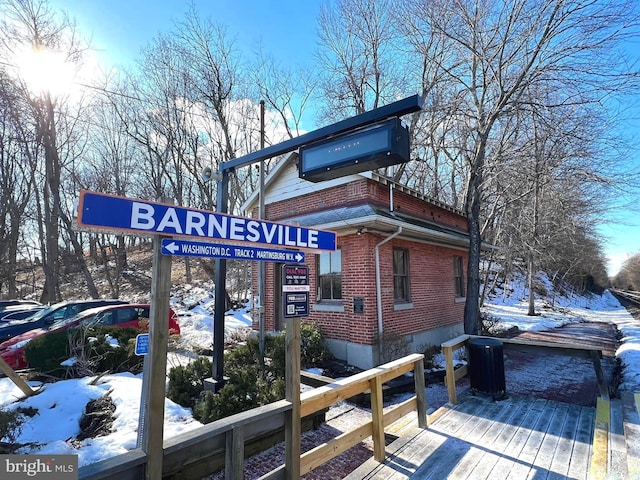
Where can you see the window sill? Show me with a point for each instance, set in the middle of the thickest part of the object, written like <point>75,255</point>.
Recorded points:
<point>460,299</point>
<point>402,306</point>
<point>328,307</point>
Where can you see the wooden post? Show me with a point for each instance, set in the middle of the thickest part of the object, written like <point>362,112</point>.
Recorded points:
<point>602,383</point>
<point>151,423</point>
<point>15,378</point>
<point>421,396</point>
<point>292,393</point>
<point>450,374</point>
<point>234,454</point>
<point>377,418</point>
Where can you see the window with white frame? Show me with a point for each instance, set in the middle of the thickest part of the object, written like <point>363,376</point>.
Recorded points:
<point>401,275</point>
<point>458,278</point>
<point>330,276</point>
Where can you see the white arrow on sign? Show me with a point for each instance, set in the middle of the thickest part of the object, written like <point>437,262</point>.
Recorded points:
<point>299,257</point>
<point>172,247</point>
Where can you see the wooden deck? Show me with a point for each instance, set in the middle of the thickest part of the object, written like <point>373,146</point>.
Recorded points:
<point>516,438</point>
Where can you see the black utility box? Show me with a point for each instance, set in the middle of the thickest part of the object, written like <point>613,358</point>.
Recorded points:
<point>486,367</point>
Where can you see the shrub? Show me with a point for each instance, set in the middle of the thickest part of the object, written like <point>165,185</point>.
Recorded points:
<point>490,324</point>
<point>10,425</point>
<point>276,350</point>
<point>237,397</point>
<point>313,349</point>
<point>186,382</point>
<point>44,353</point>
<point>105,357</point>
<point>90,347</point>
<point>248,384</point>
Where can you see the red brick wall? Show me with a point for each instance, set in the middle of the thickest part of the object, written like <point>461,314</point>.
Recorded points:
<point>431,280</point>
<point>358,280</point>
<point>432,289</point>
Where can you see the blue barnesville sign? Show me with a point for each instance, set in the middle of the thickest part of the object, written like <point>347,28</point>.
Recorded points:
<point>99,210</point>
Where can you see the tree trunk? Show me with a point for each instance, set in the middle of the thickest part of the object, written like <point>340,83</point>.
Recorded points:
<point>532,306</point>
<point>472,305</point>
<point>51,207</point>
<point>472,209</point>
<point>534,240</point>
<point>79,254</point>
<point>187,270</point>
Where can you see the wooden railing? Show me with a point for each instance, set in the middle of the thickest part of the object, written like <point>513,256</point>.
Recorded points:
<point>199,452</point>
<point>372,380</point>
<point>548,348</point>
<point>196,453</point>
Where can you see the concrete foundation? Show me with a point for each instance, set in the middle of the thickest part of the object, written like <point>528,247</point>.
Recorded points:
<point>368,356</point>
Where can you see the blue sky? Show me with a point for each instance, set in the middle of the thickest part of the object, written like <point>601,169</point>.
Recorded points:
<point>120,28</point>
<point>287,29</point>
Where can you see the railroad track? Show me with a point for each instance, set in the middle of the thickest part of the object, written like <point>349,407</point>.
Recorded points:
<point>629,295</point>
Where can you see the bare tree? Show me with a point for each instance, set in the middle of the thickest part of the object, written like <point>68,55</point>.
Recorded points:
<point>356,40</point>
<point>30,26</point>
<point>15,187</point>
<point>628,278</point>
<point>498,51</point>
<point>287,92</point>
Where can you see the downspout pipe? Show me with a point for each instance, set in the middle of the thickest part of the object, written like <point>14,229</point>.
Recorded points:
<point>378,286</point>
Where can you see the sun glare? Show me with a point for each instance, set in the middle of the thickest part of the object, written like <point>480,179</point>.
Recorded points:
<point>45,71</point>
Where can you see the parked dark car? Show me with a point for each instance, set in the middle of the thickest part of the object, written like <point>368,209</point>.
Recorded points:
<point>19,313</point>
<point>50,315</point>
<point>4,304</point>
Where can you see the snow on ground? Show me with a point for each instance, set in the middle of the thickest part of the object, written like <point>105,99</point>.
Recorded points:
<point>629,352</point>
<point>60,405</point>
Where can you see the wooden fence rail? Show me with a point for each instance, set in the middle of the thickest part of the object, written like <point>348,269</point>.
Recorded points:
<point>197,453</point>
<point>324,397</point>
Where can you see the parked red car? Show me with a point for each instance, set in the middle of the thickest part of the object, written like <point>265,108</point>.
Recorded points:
<point>128,315</point>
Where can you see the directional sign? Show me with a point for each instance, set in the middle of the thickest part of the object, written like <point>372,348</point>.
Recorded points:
<point>224,250</point>
<point>98,210</point>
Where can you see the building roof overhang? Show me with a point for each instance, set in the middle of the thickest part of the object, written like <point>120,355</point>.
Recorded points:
<point>369,218</point>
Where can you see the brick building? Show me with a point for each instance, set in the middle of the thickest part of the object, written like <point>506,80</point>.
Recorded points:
<point>399,271</point>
